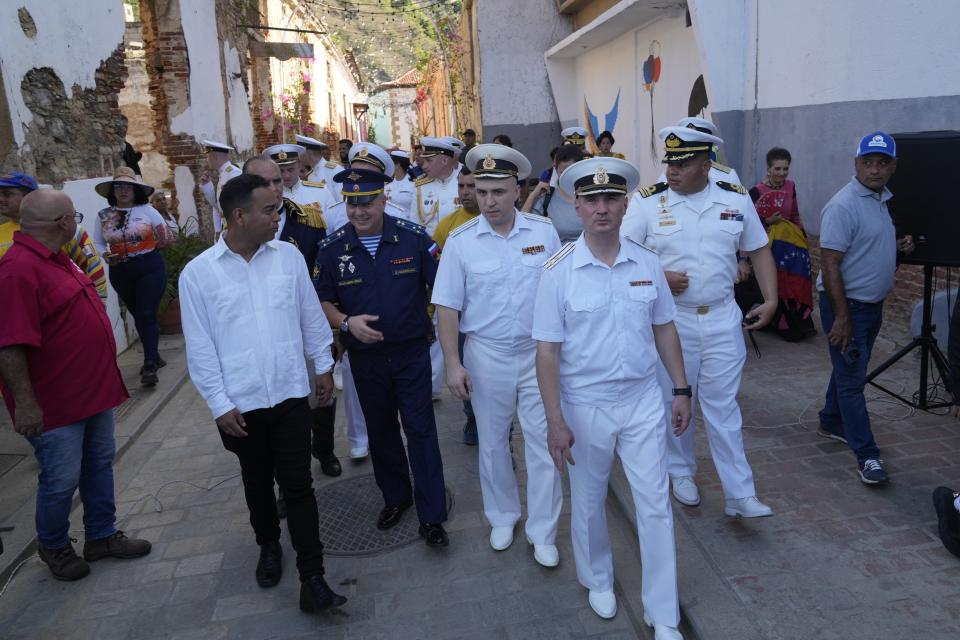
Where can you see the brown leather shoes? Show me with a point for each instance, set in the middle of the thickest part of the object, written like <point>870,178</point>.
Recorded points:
<point>116,546</point>
<point>64,562</point>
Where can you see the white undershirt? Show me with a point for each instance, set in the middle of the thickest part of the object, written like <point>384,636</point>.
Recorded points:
<point>698,201</point>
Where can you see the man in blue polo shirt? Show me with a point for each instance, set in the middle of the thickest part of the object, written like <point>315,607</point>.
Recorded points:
<point>858,260</point>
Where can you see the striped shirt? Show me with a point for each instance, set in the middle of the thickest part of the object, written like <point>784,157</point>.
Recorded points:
<point>371,243</point>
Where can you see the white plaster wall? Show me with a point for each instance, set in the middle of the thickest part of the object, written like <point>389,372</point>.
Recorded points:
<point>241,124</point>
<point>184,183</point>
<point>824,51</point>
<point>512,37</point>
<point>599,81</point>
<point>70,41</point>
<point>89,202</point>
<point>206,115</point>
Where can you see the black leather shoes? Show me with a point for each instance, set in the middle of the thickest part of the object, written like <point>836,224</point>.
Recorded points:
<point>390,516</point>
<point>270,566</point>
<point>331,466</point>
<point>316,595</point>
<point>434,535</point>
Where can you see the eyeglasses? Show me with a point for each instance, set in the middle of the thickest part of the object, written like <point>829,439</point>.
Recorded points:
<point>76,216</point>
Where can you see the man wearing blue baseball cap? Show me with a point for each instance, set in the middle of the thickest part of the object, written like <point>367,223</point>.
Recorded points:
<point>858,248</point>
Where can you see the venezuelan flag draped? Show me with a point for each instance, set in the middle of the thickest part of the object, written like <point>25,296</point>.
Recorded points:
<point>792,256</point>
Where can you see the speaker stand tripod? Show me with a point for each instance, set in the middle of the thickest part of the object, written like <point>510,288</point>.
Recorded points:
<point>927,343</point>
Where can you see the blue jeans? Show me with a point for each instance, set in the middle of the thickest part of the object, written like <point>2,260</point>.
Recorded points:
<point>845,409</point>
<point>79,455</point>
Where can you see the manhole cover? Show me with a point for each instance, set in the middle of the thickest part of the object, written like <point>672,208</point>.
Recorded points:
<point>9,461</point>
<point>348,519</point>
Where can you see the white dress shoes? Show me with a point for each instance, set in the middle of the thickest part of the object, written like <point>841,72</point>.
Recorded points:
<point>662,631</point>
<point>501,538</point>
<point>546,555</point>
<point>357,453</point>
<point>603,603</point>
<point>685,491</point>
<point>747,508</point>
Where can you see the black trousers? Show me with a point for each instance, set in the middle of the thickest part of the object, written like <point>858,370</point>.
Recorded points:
<point>396,379</point>
<point>278,446</point>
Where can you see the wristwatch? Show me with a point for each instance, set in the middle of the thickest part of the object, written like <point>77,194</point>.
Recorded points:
<point>344,325</point>
<point>683,391</point>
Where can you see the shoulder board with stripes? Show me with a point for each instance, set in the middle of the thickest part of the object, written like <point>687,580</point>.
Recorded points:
<point>729,186</point>
<point>466,225</point>
<point>310,183</point>
<point>721,167</point>
<point>555,259</point>
<point>640,244</point>
<point>536,218</point>
<point>646,192</point>
<point>337,235</point>
<point>422,180</point>
<point>332,165</point>
<point>411,226</point>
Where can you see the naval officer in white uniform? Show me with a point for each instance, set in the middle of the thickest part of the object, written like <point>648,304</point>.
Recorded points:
<point>218,161</point>
<point>485,287</point>
<point>603,319</point>
<point>697,227</point>
<point>287,157</point>
<point>437,192</point>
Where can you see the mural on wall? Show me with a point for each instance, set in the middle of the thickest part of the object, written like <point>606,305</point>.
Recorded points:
<point>651,75</point>
<point>593,124</point>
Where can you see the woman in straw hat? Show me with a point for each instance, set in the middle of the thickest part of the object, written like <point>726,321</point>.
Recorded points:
<point>129,235</point>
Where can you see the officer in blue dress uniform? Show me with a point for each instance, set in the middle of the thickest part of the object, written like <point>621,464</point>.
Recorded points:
<point>372,277</point>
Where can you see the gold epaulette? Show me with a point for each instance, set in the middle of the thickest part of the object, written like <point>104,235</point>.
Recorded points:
<point>536,218</point>
<point>312,217</point>
<point>463,227</point>
<point>640,244</point>
<point>646,192</point>
<point>721,167</point>
<point>555,259</point>
<point>310,183</point>
<point>332,165</point>
<point>422,180</point>
<point>729,186</point>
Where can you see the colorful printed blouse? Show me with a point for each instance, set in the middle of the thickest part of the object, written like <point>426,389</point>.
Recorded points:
<point>131,232</point>
<point>80,249</point>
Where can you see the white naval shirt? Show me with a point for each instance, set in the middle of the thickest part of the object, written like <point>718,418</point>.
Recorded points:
<point>703,244</point>
<point>603,317</point>
<point>247,326</point>
<point>226,171</point>
<point>323,173</point>
<point>493,280</point>
<point>435,199</point>
<point>401,192</point>
<point>321,198</point>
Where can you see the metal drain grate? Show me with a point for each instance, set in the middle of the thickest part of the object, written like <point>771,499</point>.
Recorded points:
<point>348,519</point>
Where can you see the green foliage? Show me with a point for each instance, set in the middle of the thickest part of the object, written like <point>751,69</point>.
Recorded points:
<point>176,257</point>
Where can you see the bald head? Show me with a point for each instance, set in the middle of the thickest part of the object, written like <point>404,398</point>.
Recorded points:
<point>48,217</point>
<point>44,205</point>
<point>269,171</point>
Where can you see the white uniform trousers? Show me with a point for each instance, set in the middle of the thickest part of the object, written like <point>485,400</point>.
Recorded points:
<point>436,361</point>
<point>634,429</point>
<point>505,384</point>
<point>713,357</point>
<point>356,425</point>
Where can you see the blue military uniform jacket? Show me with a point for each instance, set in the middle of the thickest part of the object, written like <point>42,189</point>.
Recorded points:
<point>304,228</point>
<point>393,286</point>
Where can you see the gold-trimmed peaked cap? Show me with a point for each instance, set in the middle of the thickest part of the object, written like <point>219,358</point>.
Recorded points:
<point>681,143</point>
<point>437,146</point>
<point>575,135</point>
<point>361,186</point>
<point>210,146</point>
<point>373,155</point>
<point>497,161</point>
<point>311,143</point>
<point>600,175</point>
<point>283,153</point>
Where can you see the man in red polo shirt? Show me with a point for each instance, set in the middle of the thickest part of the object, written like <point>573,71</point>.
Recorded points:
<point>61,382</point>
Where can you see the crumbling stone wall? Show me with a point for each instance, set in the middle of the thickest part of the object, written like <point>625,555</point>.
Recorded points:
<point>74,134</point>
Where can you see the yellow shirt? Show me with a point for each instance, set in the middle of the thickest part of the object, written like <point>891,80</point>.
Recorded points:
<point>6,235</point>
<point>449,223</point>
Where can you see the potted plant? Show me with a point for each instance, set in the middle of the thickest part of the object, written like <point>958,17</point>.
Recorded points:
<point>177,255</point>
